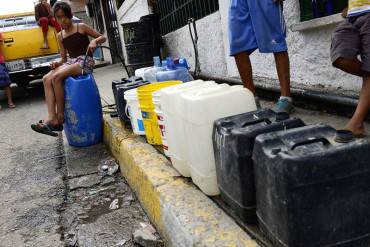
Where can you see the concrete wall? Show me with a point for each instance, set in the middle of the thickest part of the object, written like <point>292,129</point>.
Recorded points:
<point>309,49</point>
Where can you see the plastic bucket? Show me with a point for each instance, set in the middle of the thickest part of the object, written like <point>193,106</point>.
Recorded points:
<point>161,121</point>
<point>133,112</point>
<point>152,131</point>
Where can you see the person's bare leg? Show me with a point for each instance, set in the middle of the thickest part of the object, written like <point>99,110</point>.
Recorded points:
<point>283,71</point>
<point>58,77</point>
<point>356,124</point>
<point>8,92</point>
<point>50,98</point>
<point>351,66</point>
<point>245,70</point>
<point>46,44</point>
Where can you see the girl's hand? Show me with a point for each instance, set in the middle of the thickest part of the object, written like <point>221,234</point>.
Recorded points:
<point>54,64</point>
<point>92,46</point>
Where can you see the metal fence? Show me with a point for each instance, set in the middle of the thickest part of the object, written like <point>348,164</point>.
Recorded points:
<point>175,13</point>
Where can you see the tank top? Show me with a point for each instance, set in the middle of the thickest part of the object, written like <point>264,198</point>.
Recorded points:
<point>76,44</point>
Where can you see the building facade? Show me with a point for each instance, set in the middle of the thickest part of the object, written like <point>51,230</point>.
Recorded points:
<point>308,40</point>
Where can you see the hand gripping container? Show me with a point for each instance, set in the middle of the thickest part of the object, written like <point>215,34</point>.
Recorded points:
<point>201,108</point>
<point>313,187</point>
<point>173,120</point>
<point>83,124</point>
<point>145,95</point>
<point>233,142</point>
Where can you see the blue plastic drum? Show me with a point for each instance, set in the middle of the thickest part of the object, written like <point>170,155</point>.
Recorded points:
<point>83,112</point>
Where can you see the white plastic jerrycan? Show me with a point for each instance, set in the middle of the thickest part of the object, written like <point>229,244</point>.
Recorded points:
<point>173,118</point>
<point>200,109</point>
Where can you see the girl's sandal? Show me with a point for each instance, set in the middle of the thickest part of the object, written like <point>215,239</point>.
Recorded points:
<point>47,129</point>
<point>12,106</point>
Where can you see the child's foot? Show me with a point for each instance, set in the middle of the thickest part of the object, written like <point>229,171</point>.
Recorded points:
<point>358,130</point>
<point>11,105</point>
<point>45,46</point>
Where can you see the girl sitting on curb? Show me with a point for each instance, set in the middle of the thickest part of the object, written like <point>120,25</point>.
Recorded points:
<point>74,40</point>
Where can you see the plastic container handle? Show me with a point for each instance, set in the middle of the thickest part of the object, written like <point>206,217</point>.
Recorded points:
<point>266,120</point>
<point>323,140</point>
<point>126,111</point>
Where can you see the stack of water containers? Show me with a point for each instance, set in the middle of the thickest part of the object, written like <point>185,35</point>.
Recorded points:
<point>305,185</point>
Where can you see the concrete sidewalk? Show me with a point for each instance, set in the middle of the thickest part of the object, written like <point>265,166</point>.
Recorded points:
<point>181,212</point>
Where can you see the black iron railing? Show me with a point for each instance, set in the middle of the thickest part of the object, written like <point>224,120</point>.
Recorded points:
<point>175,13</point>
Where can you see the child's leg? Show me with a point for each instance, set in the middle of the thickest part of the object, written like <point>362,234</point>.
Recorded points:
<point>8,92</point>
<point>356,124</point>
<point>44,23</point>
<point>283,71</point>
<point>57,81</point>
<point>50,97</point>
<point>245,70</point>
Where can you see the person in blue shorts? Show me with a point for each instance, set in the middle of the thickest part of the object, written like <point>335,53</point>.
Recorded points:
<point>259,24</point>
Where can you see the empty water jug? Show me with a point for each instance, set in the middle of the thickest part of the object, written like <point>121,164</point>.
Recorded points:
<point>313,187</point>
<point>173,119</point>
<point>201,108</point>
<point>173,72</point>
<point>83,111</point>
<point>233,142</point>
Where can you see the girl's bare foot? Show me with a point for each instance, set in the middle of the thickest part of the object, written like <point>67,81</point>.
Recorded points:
<point>358,130</point>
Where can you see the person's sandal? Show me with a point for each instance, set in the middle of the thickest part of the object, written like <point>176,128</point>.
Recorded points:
<point>11,106</point>
<point>47,129</point>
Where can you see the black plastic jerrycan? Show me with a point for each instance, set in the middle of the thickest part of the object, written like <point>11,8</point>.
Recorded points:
<point>313,187</point>
<point>119,89</point>
<point>115,83</point>
<point>233,141</point>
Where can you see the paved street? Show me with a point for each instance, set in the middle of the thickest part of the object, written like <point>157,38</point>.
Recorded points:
<point>55,195</point>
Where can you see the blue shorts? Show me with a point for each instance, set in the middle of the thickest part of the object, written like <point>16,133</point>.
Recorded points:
<point>256,24</point>
<point>4,76</point>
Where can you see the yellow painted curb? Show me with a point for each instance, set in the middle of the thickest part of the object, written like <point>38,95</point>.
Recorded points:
<point>183,215</point>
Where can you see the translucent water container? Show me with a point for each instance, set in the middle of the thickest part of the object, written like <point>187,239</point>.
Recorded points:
<point>150,73</point>
<point>173,119</point>
<point>200,109</point>
<point>173,72</point>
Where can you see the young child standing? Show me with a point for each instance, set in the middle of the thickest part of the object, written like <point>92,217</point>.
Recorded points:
<point>74,41</point>
<point>350,39</point>
<point>260,24</point>
<point>4,76</point>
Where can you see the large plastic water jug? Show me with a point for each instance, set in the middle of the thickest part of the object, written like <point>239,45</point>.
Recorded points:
<point>141,72</point>
<point>201,108</point>
<point>233,142</point>
<point>173,119</point>
<point>150,73</point>
<point>150,119</point>
<point>133,111</point>
<point>173,72</point>
<point>83,112</point>
<point>313,187</point>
